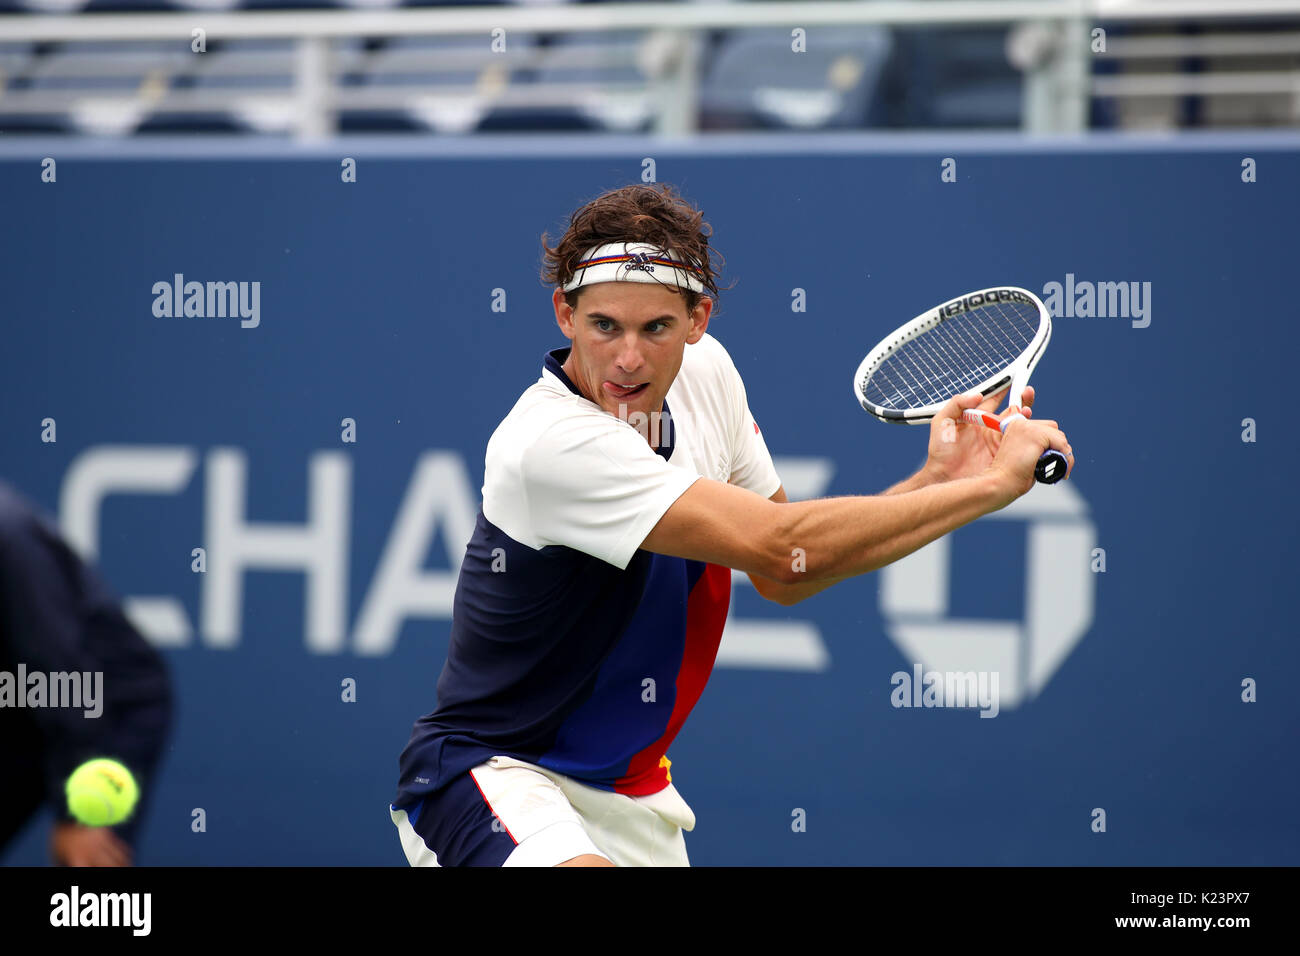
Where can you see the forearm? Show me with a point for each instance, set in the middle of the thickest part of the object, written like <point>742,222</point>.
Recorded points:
<point>838,538</point>
<point>922,479</point>
<point>794,593</point>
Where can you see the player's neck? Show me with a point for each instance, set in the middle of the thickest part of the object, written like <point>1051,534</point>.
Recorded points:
<point>648,433</point>
<point>570,370</point>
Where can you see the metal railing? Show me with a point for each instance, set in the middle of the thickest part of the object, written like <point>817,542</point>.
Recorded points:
<point>1054,39</point>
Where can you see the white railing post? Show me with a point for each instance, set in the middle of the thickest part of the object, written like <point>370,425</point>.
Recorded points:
<point>315,115</point>
<point>677,85</point>
<point>1054,56</point>
<point>1074,93</point>
<point>1031,50</point>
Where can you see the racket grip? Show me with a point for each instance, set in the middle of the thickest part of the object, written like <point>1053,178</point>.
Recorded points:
<point>976,417</point>
<point>1051,466</point>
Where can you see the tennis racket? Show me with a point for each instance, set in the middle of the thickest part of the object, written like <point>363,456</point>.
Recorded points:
<point>981,341</point>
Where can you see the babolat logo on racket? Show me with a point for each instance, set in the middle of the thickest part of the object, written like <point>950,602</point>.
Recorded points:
<point>969,302</point>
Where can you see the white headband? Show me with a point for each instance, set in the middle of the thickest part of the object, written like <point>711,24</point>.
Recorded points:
<point>635,262</point>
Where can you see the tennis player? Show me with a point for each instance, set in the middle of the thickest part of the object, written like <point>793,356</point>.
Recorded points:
<point>619,493</point>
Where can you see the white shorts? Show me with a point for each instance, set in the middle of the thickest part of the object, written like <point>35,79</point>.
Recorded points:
<point>552,818</point>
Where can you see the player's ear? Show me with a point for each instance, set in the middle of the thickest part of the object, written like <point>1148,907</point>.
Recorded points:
<point>563,313</point>
<point>699,320</point>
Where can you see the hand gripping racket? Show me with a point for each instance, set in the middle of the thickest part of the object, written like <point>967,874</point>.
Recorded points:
<point>979,341</point>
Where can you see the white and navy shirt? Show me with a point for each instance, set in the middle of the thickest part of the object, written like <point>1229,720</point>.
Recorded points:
<point>571,647</point>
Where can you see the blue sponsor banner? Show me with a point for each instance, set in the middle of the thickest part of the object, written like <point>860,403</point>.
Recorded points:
<point>1075,662</point>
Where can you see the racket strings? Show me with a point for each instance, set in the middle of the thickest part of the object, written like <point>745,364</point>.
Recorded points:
<point>1005,330</point>
<point>947,359</point>
<point>957,355</point>
<point>917,361</point>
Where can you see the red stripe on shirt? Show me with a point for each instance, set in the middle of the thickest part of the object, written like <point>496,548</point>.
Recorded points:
<point>706,615</point>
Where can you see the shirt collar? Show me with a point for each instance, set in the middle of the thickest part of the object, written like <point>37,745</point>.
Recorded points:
<point>554,363</point>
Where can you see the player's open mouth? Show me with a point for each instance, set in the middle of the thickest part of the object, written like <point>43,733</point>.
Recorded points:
<point>620,392</point>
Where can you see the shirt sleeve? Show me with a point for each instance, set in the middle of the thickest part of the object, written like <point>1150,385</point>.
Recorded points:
<point>751,463</point>
<point>593,484</point>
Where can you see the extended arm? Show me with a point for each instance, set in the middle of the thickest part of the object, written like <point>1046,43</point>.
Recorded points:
<point>835,538</point>
<point>787,594</point>
<point>843,537</point>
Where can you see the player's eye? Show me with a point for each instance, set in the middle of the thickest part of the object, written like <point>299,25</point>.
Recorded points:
<point>601,323</point>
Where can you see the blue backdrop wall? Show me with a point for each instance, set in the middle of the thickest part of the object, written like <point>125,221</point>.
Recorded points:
<point>1122,611</point>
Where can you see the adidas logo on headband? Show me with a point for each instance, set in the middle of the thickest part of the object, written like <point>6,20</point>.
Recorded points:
<point>635,262</point>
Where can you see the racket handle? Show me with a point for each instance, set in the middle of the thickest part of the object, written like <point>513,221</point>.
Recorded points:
<point>1051,466</point>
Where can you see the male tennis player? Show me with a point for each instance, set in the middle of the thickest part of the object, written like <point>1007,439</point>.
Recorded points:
<point>594,590</point>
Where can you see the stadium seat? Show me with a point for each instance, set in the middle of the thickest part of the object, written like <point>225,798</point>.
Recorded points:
<point>259,64</point>
<point>97,67</point>
<point>94,87</point>
<point>253,79</point>
<point>587,82</point>
<point>957,78</point>
<point>446,84</point>
<point>757,78</point>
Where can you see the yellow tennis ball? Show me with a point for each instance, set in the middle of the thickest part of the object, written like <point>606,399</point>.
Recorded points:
<point>101,792</point>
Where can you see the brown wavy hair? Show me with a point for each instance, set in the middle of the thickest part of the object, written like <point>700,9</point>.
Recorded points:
<point>654,213</point>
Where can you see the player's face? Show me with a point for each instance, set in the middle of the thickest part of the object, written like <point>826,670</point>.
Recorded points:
<point>628,341</point>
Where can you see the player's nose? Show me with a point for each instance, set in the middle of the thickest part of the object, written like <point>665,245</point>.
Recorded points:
<point>629,356</point>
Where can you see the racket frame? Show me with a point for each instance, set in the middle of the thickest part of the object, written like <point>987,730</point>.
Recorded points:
<point>1016,373</point>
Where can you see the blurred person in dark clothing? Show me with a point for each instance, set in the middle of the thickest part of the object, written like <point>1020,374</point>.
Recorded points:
<point>59,624</point>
